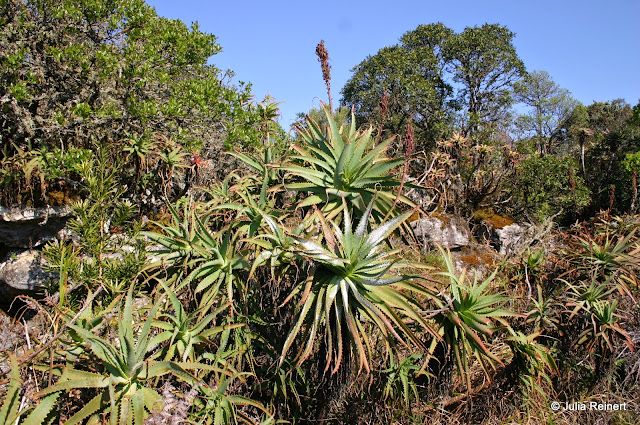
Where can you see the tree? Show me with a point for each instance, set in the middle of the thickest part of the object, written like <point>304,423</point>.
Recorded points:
<point>406,82</point>
<point>484,62</point>
<point>612,138</point>
<point>549,106</point>
<point>631,165</point>
<point>604,132</point>
<point>74,73</point>
<point>432,75</point>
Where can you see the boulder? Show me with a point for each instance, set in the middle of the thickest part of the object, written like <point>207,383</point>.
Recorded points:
<point>508,238</point>
<point>478,261</point>
<point>22,273</point>
<point>445,230</point>
<point>501,232</point>
<point>31,227</point>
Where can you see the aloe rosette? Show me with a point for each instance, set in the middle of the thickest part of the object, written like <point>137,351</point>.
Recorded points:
<point>353,286</point>
<point>345,163</point>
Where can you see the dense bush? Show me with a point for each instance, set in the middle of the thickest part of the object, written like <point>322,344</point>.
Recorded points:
<point>79,74</point>
<point>549,185</point>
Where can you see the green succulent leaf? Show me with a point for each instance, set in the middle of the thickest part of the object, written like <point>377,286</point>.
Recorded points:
<point>352,286</point>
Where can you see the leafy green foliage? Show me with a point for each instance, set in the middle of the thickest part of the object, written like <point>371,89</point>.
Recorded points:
<point>604,132</point>
<point>75,73</point>
<point>543,194</point>
<point>411,76</point>
<point>100,256</point>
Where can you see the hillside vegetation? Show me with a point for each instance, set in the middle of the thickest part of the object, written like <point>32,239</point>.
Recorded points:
<point>215,269</point>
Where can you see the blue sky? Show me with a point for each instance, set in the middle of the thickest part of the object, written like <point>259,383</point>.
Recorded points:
<point>590,47</point>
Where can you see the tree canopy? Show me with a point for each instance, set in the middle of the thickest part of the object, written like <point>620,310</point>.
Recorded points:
<point>76,71</point>
<point>439,79</point>
<point>549,107</point>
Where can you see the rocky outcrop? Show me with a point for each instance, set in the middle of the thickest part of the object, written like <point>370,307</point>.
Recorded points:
<point>508,238</point>
<point>31,227</point>
<point>501,232</point>
<point>22,273</point>
<point>445,230</point>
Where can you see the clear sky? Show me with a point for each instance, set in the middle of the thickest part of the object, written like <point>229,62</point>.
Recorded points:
<point>590,47</point>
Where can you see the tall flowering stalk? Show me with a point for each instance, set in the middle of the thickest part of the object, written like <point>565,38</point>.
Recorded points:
<point>323,57</point>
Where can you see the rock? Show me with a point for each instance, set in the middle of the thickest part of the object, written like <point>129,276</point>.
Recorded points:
<point>67,235</point>
<point>509,237</point>
<point>477,260</point>
<point>445,230</point>
<point>22,272</point>
<point>15,214</point>
<point>31,227</point>
<point>9,337</point>
<point>501,232</point>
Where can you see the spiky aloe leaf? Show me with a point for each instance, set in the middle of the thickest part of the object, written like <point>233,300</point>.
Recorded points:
<point>9,411</point>
<point>352,284</point>
<point>41,412</point>
<point>89,409</point>
<point>93,381</point>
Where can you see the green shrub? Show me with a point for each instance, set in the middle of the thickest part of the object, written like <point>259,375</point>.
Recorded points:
<point>547,185</point>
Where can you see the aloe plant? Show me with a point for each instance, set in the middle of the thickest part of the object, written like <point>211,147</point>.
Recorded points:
<point>344,163</point>
<point>218,407</point>
<point>209,258</point>
<point>139,146</point>
<point>125,392</point>
<point>603,328</point>
<point>352,284</point>
<point>615,257</point>
<point>263,165</point>
<point>543,314</point>
<point>533,361</point>
<point>401,378</point>
<point>583,297</point>
<point>12,410</point>
<point>466,317</point>
<point>185,331</point>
